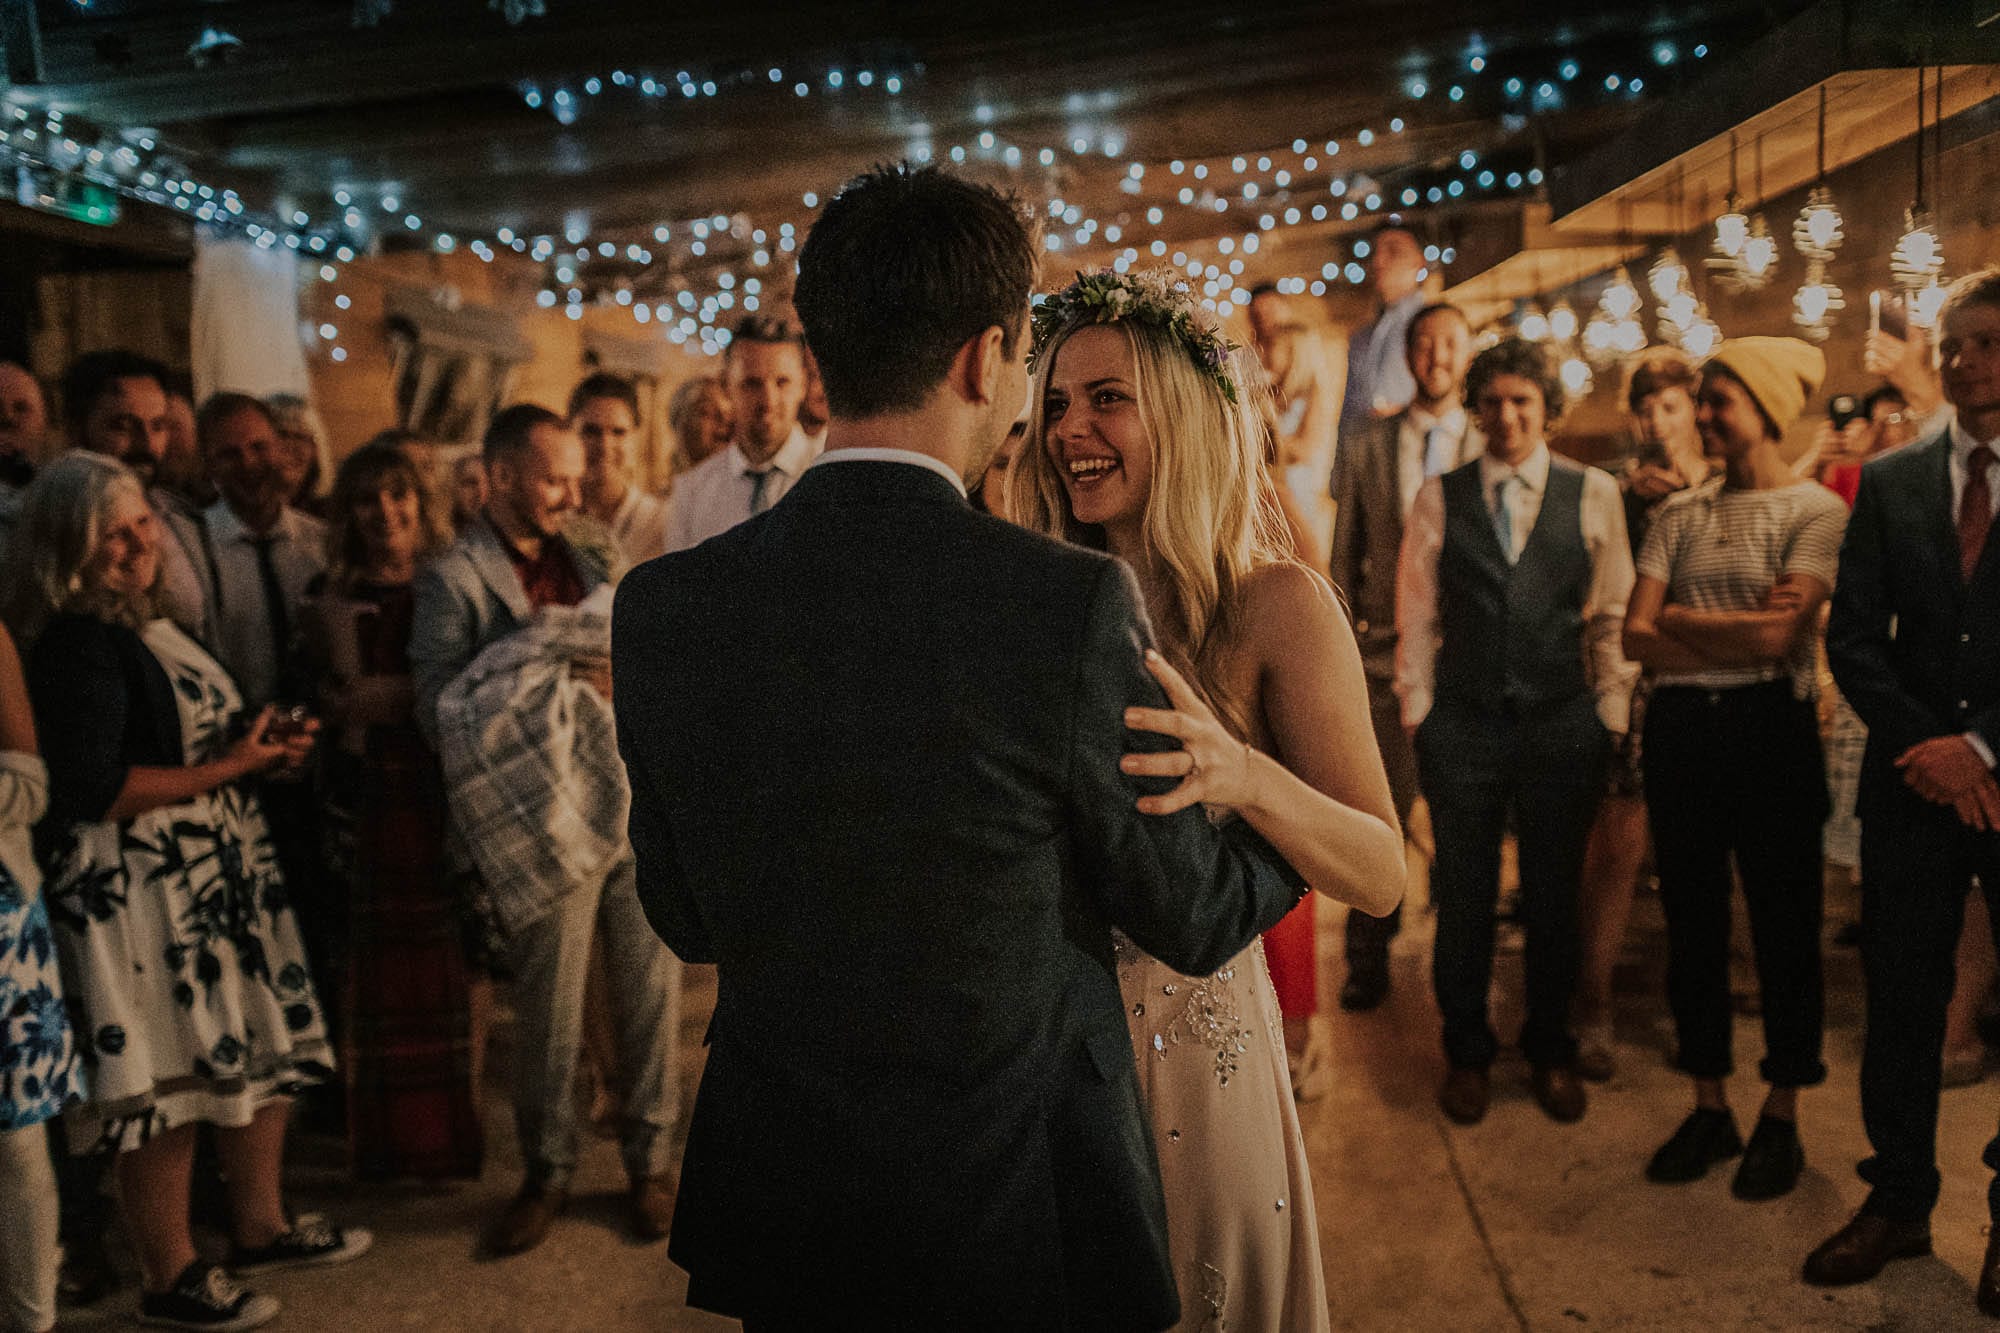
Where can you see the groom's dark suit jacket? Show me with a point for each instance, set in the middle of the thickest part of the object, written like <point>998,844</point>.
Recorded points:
<point>873,739</point>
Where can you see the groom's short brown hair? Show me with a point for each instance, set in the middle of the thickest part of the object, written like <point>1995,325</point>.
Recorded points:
<point>904,265</point>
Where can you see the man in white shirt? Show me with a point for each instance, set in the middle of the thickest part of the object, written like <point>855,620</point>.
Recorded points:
<point>604,413</point>
<point>262,552</point>
<point>764,370</point>
<point>1376,478</point>
<point>1510,597</point>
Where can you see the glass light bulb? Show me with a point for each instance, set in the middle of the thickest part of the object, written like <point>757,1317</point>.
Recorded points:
<point>1760,255</point>
<point>1681,310</point>
<point>1732,229</point>
<point>1667,276</point>
<point>1925,305</point>
<point>1621,299</point>
<point>1534,325</point>
<point>1562,321</point>
<point>1576,376</point>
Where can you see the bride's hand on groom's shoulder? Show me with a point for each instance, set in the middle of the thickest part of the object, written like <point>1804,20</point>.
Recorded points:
<point>1215,767</point>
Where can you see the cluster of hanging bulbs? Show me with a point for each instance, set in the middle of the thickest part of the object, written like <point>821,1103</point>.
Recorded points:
<point>1560,328</point>
<point>1683,318</point>
<point>1614,330</point>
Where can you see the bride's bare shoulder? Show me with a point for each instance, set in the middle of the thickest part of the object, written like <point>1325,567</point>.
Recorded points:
<point>1289,612</point>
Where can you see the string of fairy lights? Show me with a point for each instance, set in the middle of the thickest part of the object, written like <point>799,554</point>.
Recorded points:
<point>690,276</point>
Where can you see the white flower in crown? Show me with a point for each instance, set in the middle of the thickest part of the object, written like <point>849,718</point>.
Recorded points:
<point>1155,298</point>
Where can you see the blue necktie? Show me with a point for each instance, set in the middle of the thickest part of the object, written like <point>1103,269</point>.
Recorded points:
<point>760,482</point>
<point>1503,517</point>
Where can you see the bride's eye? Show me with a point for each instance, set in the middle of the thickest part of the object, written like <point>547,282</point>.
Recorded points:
<point>1106,397</point>
<point>1053,408</point>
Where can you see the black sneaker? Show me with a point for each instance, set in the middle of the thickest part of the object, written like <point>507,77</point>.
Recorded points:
<point>1706,1137</point>
<point>205,1297</point>
<point>1771,1163</point>
<point>311,1242</point>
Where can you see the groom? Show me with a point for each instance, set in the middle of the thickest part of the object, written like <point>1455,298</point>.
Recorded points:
<point>874,743</point>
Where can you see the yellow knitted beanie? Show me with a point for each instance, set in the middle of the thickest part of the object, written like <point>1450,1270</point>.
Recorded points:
<point>1780,373</point>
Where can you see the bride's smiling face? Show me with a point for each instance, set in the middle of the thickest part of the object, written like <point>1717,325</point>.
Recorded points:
<point>1095,432</point>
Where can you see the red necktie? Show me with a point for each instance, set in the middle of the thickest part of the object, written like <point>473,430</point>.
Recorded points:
<point>1975,511</point>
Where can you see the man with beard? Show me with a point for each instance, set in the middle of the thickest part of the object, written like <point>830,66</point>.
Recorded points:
<point>765,373</point>
<point>508,564</point>
<point>115,403</point>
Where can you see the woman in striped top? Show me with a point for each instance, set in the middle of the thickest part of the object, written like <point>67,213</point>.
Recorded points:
<point>1730,583</point>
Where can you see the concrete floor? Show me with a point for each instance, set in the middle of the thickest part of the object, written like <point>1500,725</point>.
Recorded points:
<point>1517,1223</point>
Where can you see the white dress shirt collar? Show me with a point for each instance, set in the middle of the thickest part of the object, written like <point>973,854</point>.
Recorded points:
<point>1533,471</point>
<point>225,526</point>
<point>911,456</point>
<point>1451,419</point>
<point>1962,442</point>
<point>791,459</point>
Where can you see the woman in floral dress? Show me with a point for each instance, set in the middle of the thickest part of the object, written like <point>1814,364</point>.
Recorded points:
<point>187,980</point>
<point>37,1056</point>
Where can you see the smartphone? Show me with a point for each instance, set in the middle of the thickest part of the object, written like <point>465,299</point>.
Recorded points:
<point>1841,409</point>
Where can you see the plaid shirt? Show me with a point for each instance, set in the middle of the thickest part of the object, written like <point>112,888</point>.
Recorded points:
<point>530,754</point>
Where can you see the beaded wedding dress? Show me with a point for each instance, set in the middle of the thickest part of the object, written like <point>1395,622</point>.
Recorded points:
<point>1240,1224</point>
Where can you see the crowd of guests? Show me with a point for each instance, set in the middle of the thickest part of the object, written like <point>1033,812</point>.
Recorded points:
<point>231,879</point>
<point>297,760</point>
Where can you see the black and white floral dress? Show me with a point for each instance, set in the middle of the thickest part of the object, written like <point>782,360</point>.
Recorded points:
<point>187,978</point>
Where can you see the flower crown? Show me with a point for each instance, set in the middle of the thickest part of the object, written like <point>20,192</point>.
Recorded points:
<point>1153,297</point>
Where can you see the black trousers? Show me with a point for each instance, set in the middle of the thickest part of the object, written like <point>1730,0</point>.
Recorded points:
<point>1917,862</point>
<point>1546,767</point>
<point>1739,771</point>
<point>1368,936</point>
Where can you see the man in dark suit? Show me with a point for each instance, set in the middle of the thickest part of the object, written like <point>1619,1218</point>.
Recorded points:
<point>1375,482</point>
<point>1915,644</point>
<point>874,740</point>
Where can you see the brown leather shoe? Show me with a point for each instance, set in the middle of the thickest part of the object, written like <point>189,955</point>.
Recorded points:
<point>1464,1095</point>
<point>1559,1092</point>
<point>527,1220</point>
<point>652,1202</point>
<point>1858,1251</point>
<point>1989,1278</point>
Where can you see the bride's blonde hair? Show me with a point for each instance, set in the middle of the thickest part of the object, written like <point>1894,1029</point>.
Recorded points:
<point>1211,517</point>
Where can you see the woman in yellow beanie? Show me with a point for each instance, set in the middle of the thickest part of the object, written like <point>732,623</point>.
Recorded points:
<point>1730,583</point>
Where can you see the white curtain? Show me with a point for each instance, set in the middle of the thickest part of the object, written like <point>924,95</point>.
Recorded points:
<point>245,335</point>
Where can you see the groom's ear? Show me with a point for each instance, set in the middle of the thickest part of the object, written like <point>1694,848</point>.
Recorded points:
<point>977,370</point>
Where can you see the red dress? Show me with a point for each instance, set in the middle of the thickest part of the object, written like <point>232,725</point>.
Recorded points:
<point>1291,951</point>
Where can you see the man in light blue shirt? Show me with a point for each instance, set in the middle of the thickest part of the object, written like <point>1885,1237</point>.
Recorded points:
<point>1378,375</point>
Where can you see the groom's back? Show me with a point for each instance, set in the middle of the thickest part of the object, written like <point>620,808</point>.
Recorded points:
<point>855,715</point>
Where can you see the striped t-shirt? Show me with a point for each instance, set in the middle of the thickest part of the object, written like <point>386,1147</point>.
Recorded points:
<point>1723,549</point>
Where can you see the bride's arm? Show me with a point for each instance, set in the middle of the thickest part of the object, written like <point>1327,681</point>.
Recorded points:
<point>1323,800</point>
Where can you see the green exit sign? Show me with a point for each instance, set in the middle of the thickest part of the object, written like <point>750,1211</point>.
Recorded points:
<point>67,196</point>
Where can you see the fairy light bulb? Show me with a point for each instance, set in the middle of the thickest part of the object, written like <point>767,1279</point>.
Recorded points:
<point>1814,304</point>
<point>1732,230</point>
<point>1534,325</point>
<point>1760,254</point>
<point>1667,276</point>
<point>1701,336</point>
<point>1629,336</point>
<point>1562,321</point>
<point>1620,299</point>
<point>1576,376</point>
<point>1918,258</point>
<point>1819,228</point>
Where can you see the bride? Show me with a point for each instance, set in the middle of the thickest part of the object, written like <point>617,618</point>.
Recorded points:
<point>1144,443</point>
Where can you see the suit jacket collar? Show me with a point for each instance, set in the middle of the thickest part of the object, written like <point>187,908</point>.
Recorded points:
<point>494,563</point>
<point>858,481</point>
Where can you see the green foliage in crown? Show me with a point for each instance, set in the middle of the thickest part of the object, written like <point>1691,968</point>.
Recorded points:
<point>1153,297</point>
